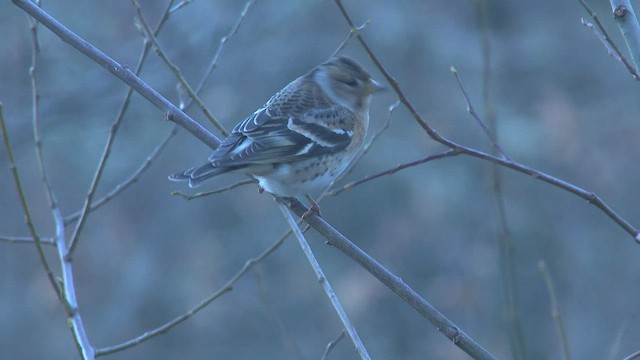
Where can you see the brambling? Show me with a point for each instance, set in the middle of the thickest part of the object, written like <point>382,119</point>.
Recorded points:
<point>303,138</point>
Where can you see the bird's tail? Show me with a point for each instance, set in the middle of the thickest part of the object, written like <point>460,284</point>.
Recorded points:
<point>196,175</point>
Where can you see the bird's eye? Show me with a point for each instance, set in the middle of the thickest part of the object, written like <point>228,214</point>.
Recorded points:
<point>350,82</point>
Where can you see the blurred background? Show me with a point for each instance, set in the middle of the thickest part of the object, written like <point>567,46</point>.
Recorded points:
<point>562,105</point>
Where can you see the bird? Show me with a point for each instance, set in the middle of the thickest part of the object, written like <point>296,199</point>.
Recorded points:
<point>303,138</point>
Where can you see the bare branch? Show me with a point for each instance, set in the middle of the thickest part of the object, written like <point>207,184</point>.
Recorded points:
<point>367,146</point>
<point>25,240</point>
<point>393,282</point>
<point>331,345</point>
<point>224,289</point>
<point>121,112</point>
<point>612,48</point>
<point>624,328</point>
<point>221,46</point>
<point>322,279</point>
<point>555,310</point>
<point>122,72</point>
<point>213,192</point>
<point>25,207</point>
<point>176,71</point>
<point>591,197</point>
<point>346,40</point>
<point>477,118</point>
<point>132,179</point>
<point>505,237</point>
<point>627,21</point>
<point>113,130</point>
<point>180,5</point>
<point>634,356</point>
<point>448,153</point>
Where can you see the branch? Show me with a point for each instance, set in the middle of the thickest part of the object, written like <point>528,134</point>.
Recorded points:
<point>213,192</point>
<point>591,197</point>
<point>176,71</point>
<point>346,40</point>
<point>223,41</point>
<point>448,153</point>
<point>331,345</point>
<point>604,37</point>
<point>505,237</point>
<point>224,289</point>
<point>322,279</point>
<point>25,240</point>
<point>628,23</point>
<point>472,111</point>
<point>25,207</point>
<point>132,179</point>
<point>68,294</point>
<point>113,130</point>
<point>121,72</point>
<point>634,356</point>
<point>393,282</point>
<point>555,310</point>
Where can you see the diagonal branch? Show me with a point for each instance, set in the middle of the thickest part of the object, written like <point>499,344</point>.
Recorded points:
<point>113,130</point>
<point>604,37</point>
<point>174,114</point>
<point>221,46</point>
<point>393,282</point>
<point>132,179</point>
<point>223,290</point>
<point>121,72</point>
<point>591,197</point>
<point>448,153</point>
<point>472,111</point>
<point>628,24</point>
<point>174,68</point>
<point>322,279</point>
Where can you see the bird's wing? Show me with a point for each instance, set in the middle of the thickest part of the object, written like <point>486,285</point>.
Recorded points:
<point>273,136</point>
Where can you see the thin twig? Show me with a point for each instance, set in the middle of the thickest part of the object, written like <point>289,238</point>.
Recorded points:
<point>25,207</point>
<point>476,117</point>
<point>367,146</point>
<point>555,310</point>
<point>322,279</point>
<point>602,38</point>
<point>25,240</point>
<point>132,179</point>
<point>448,153</point>
<point>121,112</point>
<point>332,344</point>
<point>346,40</point>
<point>221,46</point>
<point>227,287</point>
<point>174,68</point>
<point>180,5</point>
<point>122,72</point>
<point>611,46</point>
<point>113,130</point>
<point>505,237</point>
<point>624,328</point>
<point>591,197</point>
<point>213,192</point>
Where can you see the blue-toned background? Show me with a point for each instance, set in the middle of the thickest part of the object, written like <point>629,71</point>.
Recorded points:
<point>563,106</point>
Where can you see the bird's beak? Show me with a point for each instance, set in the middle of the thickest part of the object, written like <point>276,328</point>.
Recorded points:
<point>375,86</point>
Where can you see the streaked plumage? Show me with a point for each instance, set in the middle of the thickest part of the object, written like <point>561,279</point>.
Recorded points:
<point>304,137</point>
